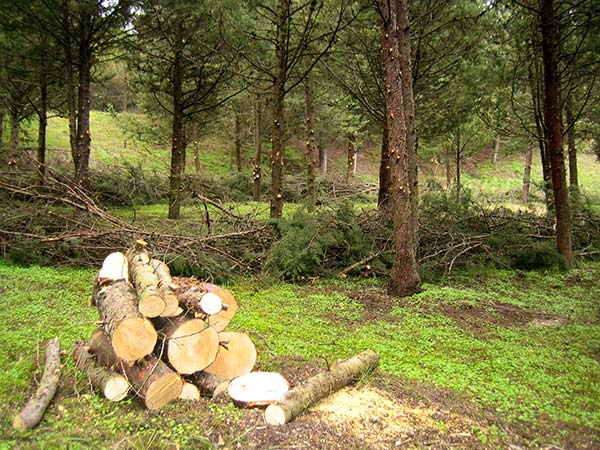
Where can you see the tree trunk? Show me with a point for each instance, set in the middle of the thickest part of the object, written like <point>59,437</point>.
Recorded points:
<point>31,415</point>
<point>457,158</point>
<point>178,144</point>
<point>496,153</point>
<point>196,150</point>
<point>406,72</point>
<point>236,356</point>
<point>191,292</point>
<point>84,100</point>
<point>152,379</point>
<point>113,386</point>
<point>43,124</point>
<point>2,114</point>
<point>448,166</point>
<point>15,130</point>
<point>323,159</point>
<point>298,399</point>
<point>311,148</point>
<point>553,135</point>
<point>238,142</point>
<point>404,276</point>
<point>527,172</point>
<point>69,82</point>
<point>385,165</point>
<point>573,175</point>
<point>276,208</point>
<point>351,155</point>
<point>257,173</point>
<point>190,345</point>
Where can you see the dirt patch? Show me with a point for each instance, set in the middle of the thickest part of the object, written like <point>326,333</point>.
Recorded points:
<point>376,305</point>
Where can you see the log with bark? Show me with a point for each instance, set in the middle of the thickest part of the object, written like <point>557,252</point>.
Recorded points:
<point>150,299</point>
<point>236,356</point>
<point>132,335</point>
<point>190,345</point>
<point>315,388</point>
<point>151,378</point>
<point>33,411</point>
<point>112,385</point>
<point>167,287</point>
<point>193,296</point>
<point>210,385</point>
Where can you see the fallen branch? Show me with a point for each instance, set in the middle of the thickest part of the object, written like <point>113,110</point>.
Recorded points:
<point>34,410</point>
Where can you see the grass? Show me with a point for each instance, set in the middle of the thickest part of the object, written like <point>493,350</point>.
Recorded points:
<point>547,377</point>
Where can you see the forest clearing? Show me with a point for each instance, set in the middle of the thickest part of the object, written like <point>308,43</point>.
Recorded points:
<point>297,224</point>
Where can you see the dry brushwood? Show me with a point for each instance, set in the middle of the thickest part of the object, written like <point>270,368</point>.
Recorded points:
<point>35,408</point>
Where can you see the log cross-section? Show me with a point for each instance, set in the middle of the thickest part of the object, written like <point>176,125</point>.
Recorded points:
<point>315,388</point>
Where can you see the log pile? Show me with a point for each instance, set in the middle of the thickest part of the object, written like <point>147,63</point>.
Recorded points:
<point>163,337</point>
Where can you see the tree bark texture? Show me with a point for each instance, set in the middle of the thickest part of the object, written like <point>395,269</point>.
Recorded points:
<point>298,399</point>
<point>385,165</point>
<point>34,410</point>
<point>143,276</point>
<point>278,145</point>
<point>553,132</point>
<point>311,147</point>
<point>113,386</point>
<point>2,114</point>
<point>573,175</point>
<point>15,130</point>
<point>257,171</point>
<point>238,142</point>
<point>132,335</point>
<point>84,99</point>
<point>210,385</point>
<point>527,173</point>
<point>177,138</point>
<point>350,156</point>
<point>404,276</point>
<point>151,379</point>
<point>42,123</point>
<point>69,81</point>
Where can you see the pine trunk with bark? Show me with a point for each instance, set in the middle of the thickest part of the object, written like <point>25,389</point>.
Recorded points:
<point>298,399</point>
<point>350,156</point>
<point>404,277</point>
<point>572,150</point>
<point>42,125</point>
<point>238,142</point>
<point>527,173</point>
<point>2,114</point>
<point>257,171</point>
<point>277,157</point>
<point>69,81</point>
<point>145,280</point>
<point>15,129</point>
<point>84,100</point>
<point>385,165</point>
<point>177,138</point>
<point>553,135</point>
<point>311,147</point>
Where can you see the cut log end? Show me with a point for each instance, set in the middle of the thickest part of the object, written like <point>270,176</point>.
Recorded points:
<point>172,308</point>
<point>162,391</point>
<point>258,389</point>
<point>152,306</point>
<point>236,356</point>
<point>192,347</point>
<point>116,389</point>
<point>211,303</point>
<point>275,415</point>
<point>134,338</point>
<point>189,392</point>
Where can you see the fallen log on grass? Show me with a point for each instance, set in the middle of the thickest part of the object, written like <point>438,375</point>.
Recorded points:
<point>34,410</point>
<point>132,336</point>
<point>152,379</point>
<point>236,356</point>
<point>113,386</point>
<point>321,385</point>
<point>191,346</point>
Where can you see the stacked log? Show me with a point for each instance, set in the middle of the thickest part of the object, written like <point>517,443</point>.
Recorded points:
<point>162,336</point>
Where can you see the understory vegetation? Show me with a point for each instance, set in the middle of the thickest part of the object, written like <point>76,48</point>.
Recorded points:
<point>524,346</point>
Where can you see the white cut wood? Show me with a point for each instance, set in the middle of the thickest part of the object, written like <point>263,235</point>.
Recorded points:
<point>211,303</point>
<point>258,388</point>
<point>115,267</point>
